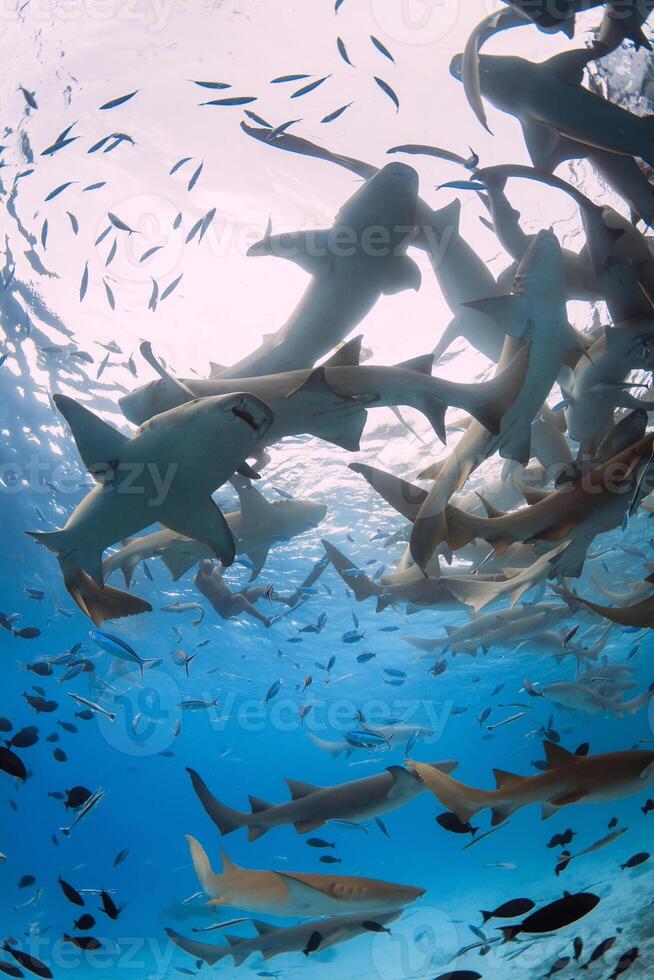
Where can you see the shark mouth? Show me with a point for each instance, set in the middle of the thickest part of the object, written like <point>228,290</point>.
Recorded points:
<point>241,413</point>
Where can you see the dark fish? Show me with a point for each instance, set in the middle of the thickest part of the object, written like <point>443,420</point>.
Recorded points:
<point>558,965</point>
<point>313,943</point>
<point>386,88</point>
<point>450,821</point>
<point>259,120</point>
<point>68,727</point>
<point>86,714</point>
<point>194,179</point>
<point>636,860</point>
<point>342,50</point>
<point>77,797</point>
<point>41,668</point>
<point>29,97</point>
<point>10,970</point>
<point>26,881</point>
<point>83,942</point>
<point>71,893</point>
<point>83,286</point>
<point>582,749</point>
<point>119,101</point>
<point>59,755</point>
<point>171,287</point>
<point>556,915</point>
<point>310,87</point>
<point>382,826</point>
<point>110,297</point>
<point>119,223</point>
<point>613,822</point>
<point>233,101</point>
<point>363,658</point>
<point>27,633</point>
<point>578,946</point>
<point>625,962</point>
<point>11,764</point>
<point>59,190</point>
<point>382,48</point>
<point>510,909</point>
<point>600,950</point>
<point>459,975</point>
<point>6,726</point>
<point>25,738</point>
<point>85,922</point>
<point>28,962</point>
<point>318,842</point>
<point>220,85</point>
<point>120,857</point>
<point>288,78</point>
<point>647,808</point>
<point>373,926</point>
<point>109,907</point>
<point>40,704</point>
<point>328,859</point>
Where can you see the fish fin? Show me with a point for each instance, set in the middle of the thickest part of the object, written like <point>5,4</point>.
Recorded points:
<point>432,472</point>
<point>100,602</point>
<point>568,66</point>
<point>208,880</point>
<point>361,585</point>
<point>347,355</point>
<point>257,805</point>
<point>491,511</point>
<point>225,819</point>
<point>557,756</point>
<point>255,831</point>
<point>300,893</point>
<point>254,506</point>
<point>202,520</point>
<point>306,826</point>
<point>234,941</point>
<point>263,928</point>
<point>100,445</point>
<point>308,249</point>
<point>447,218</point>
<point>258,557</point>
<point>406,498</point>
<point>402,780</point>
<point>547,810</point>
<point>422,364</point>
<point>403,273</point>
<point>531,494</point>
<point>503,779</point>
<point>509,312</point>
<point>54,541</point>
<point>509,932</point>
<point>542,143</point>
<point>209,954</point>
<point>502,812</point>
<point>299,789</point>
<point>179,557</point>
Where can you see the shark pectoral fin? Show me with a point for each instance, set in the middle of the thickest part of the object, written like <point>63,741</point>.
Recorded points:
<point>547,810</point>
<point>98,443</point>
<point>306,826</point>
<point>542,143</point>
<point>200,519</point>
<point>403,782</point>
<point>308,249</point>
<point>557,756</point>
<point>300,894</point>
<point>299,789</point>
<point>509,312</point>
<point>403,273</point>
<point>258,558</point>
<point>248,471</point>
<point>347,355</point>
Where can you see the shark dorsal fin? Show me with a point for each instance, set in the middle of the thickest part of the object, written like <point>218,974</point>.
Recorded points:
<point>228,864</point>
<point>215,370</point>
<point>347,355</point>
<point>98,443</point>
<point>422,364</point>
<point>557,756</point>
<point>254,506</point>
<point>234,940</point>
<point>263,928</point>
<point>491,511</point>
<point>505,779</point>
<point>402,779</point>
<point>299,789</point>
<point>257,805</point>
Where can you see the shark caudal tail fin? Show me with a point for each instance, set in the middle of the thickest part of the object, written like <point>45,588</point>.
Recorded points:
<point>100,602</point>
<point>404,497</point>
<point>225,819</point>
<point>201,951</point>
<point>351,574</point>
<point>462,800</point>
<point>209,881</point>
<point>488,402</point>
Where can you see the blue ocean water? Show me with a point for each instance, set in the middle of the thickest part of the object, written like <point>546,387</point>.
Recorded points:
<point>246,745</point>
